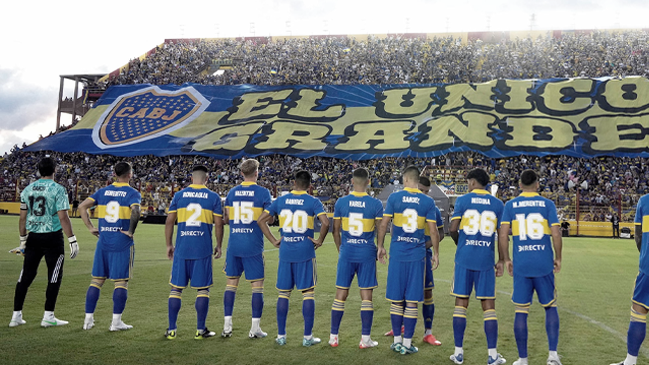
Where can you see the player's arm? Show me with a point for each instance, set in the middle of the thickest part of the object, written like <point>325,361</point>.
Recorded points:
<point>226,215</point>
<point>135,219</point>
<point>503,250</point>
<point>67,229</point>
<point>169,233</point>
<point>263,221</point>
<point>380,238</point>
<point>440,232</point>
<point>557,242</point>
<point>218,234</point>
<point>336,233</point>
<point>324,229</point>
<point>434,240</point>
<point>22,230</point>
<point>454,230</point>
<point>637,236</point>
<point>85,217</point>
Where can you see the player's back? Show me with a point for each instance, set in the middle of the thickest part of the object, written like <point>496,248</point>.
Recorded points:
<point>297,211</point>
<point>479,214</point>
<point>409,210</point>
<point>531,217</point>
<point>358,213</point>
<point>114,203</point>
<point>195,207</point>
<point>43,199</point>
<point>245,203</point>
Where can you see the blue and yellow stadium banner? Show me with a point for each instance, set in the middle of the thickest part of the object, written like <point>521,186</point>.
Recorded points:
<point>501,118</point>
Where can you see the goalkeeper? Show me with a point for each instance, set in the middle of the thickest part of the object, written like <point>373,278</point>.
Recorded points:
<point>44,213</point>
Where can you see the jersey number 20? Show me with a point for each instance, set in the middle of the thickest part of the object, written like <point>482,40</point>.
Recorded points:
<point>294,221</point>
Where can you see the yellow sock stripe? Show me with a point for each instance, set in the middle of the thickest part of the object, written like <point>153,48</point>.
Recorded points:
<point>175,293</point>
<point>231,288</point>
<point>638,317</point>
<point>410,313</point>
<point>96,283</point>
<point>203,293</point>
<point>96,286</point>
<point>338,305</point>
<point>257,290</point>
<point>459,312</point>
<point>396,309</point>
<point>429,301</point>
<point>121,287</point>
<point>367,305</point>
<point>308,296</point>
<point>490,315</point>
<point>284,294</point>
<point>524,310</point>
<point>175,296</point>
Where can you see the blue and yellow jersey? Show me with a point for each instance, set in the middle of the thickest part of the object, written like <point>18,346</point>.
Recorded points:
<point>195,207</point>
<point>245,203</point>
<point>409,210</point>
<point>440,224</point>
<point>479,214</point>
<point>297,212</point>
<point>43,199</point>
<point>642,219</point>
<point>531,216</point>
<point>358,213</point>
<point>114,203</point>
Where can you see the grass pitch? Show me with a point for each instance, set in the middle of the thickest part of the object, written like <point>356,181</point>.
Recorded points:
<point>594,289</point>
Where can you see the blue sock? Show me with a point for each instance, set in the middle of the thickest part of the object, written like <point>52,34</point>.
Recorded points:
<point>637,332</point>
<point>174,306</point>
<point>308,311</point>
<point>409,321</point>
<point>552,327</point>
<point>520,330</point>
<point>120,294</point>
<point>367,317</point>
<point>396,317</point>
<point>228,300</point>
<point>282,312</point>
<point>491,328</point>
<point>428,311</point>
<point>92,296</point>
<point>337,311</point>
<point>202,305</point>
<point>257,302</point>
<point>459,325</point>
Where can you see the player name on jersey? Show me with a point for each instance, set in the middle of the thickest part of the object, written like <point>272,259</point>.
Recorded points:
<point>356,204</point>
<point>115,193</point>
<point>529,203</point>
<point>195,194</point>
<point>482,201</point>
<point>410,199</point>
<point>244,193</point>
<point>295,201</point>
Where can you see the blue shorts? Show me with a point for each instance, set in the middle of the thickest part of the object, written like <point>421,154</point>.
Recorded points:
<point>253,266</point>
<point>464,280</point>
<point>524,289</point>
<point>406,281</point>
<point>198,271</point>
<point>301,275</point>
<point>641,291</point>
<point>114,265</point>
<point>428,280</point>
<point>365,271</point>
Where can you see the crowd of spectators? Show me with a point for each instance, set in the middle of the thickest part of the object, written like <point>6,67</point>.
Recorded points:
<point>391,60</point>
<point>604,184</point>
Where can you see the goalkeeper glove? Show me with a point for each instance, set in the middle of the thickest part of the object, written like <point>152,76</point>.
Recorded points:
<point>20,250</point>
<point>74,247</point>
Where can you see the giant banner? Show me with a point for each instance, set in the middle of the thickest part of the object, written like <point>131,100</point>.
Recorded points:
<point>501,118</point>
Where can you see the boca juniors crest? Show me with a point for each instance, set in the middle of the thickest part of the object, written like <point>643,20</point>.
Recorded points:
<point>145,114</point>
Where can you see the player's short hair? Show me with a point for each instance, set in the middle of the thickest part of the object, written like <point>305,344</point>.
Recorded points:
<point>46,166</point>
<point>529,177</point>
<point>200,168</point>
<point>423,180</point>
<point>361,173</point>
<point>122,168</point>
<point>479,175</point>
<point>412,172</point>
<point>199,172</point>
<point>303,179</point>
<point>249,167</point>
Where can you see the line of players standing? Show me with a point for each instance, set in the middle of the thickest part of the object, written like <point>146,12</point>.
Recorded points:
<point>358,220</point>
